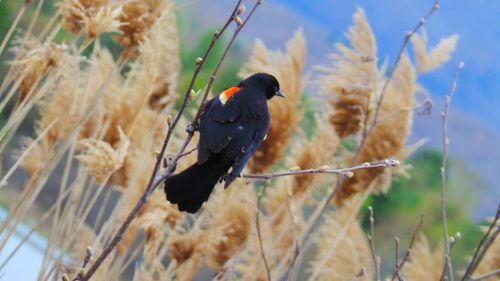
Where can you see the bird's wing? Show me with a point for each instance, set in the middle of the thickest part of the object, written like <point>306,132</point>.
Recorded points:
<point>218,124</point>
<point>250,133</point>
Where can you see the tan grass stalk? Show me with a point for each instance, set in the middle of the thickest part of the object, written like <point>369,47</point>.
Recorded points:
<point>29,150</point>
<point>17,117</point>
<point>229,231</point>
<point>36,184</point>
<point>12,27</point>
<point>343,250</point>
<point>75,223</point>
<point>11,75</point>
<point>424,264</point>
<point>54,233</point>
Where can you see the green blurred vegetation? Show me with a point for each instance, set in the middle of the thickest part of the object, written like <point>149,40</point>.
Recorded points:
<point>397,213</point>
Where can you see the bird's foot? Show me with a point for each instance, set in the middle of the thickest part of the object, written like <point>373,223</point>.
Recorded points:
<point>167,162</point>
<point>193,127</point>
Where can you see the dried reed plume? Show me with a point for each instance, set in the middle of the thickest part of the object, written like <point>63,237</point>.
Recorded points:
<point>77,13</point>
<point>287,67</point>
<point>389,137</point>
<point>93,17</point>
<point>351,80</point>
<point>34,64</point>
<point>137,17</point>
<point>101,159</point>
<point>437,56</point>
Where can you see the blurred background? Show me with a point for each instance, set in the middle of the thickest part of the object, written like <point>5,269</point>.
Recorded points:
<point>474,125</point>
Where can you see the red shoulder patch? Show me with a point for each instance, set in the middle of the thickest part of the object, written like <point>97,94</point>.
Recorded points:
<point>228,93</point>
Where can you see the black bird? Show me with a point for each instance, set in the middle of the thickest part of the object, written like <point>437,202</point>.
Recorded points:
<point>232,126</point>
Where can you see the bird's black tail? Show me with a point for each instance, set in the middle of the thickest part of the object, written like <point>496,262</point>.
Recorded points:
<point>191,187</point>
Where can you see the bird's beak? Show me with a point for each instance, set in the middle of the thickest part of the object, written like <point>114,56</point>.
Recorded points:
<point>280,94</point>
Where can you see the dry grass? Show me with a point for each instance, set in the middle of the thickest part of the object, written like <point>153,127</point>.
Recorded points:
<point>104,128</point>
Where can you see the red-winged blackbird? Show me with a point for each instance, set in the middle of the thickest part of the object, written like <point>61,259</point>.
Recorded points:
<point>232,126</point>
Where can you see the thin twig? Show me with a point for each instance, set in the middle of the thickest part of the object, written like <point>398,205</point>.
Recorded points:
<point>86,260</point>
<point>189,152</point>
<point>326,170</point>
<point>444,116</point>
<point>484,244</point>
<point>259,234</point>
<point>322,170</point>
<point>396,260</point>
<point>486,275</point>
<point>292,274</point>
<point>410,246</point>
<point>371,239</point>
<point>153,181</point>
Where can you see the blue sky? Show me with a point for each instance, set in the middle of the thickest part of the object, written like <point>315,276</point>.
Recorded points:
<point>477,23</point>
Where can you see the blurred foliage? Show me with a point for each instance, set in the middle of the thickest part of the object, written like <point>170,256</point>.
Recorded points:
<point>420,194</point>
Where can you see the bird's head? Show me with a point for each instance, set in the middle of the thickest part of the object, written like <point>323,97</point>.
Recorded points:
<point>266,82</point>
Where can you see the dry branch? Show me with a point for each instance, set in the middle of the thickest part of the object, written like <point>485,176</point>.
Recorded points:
<point>326,170</point>
<point>483,246</point>
<point>371,239</point>
<point>447,256</point>
<point>259,233</point>
<point>408,251</point>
